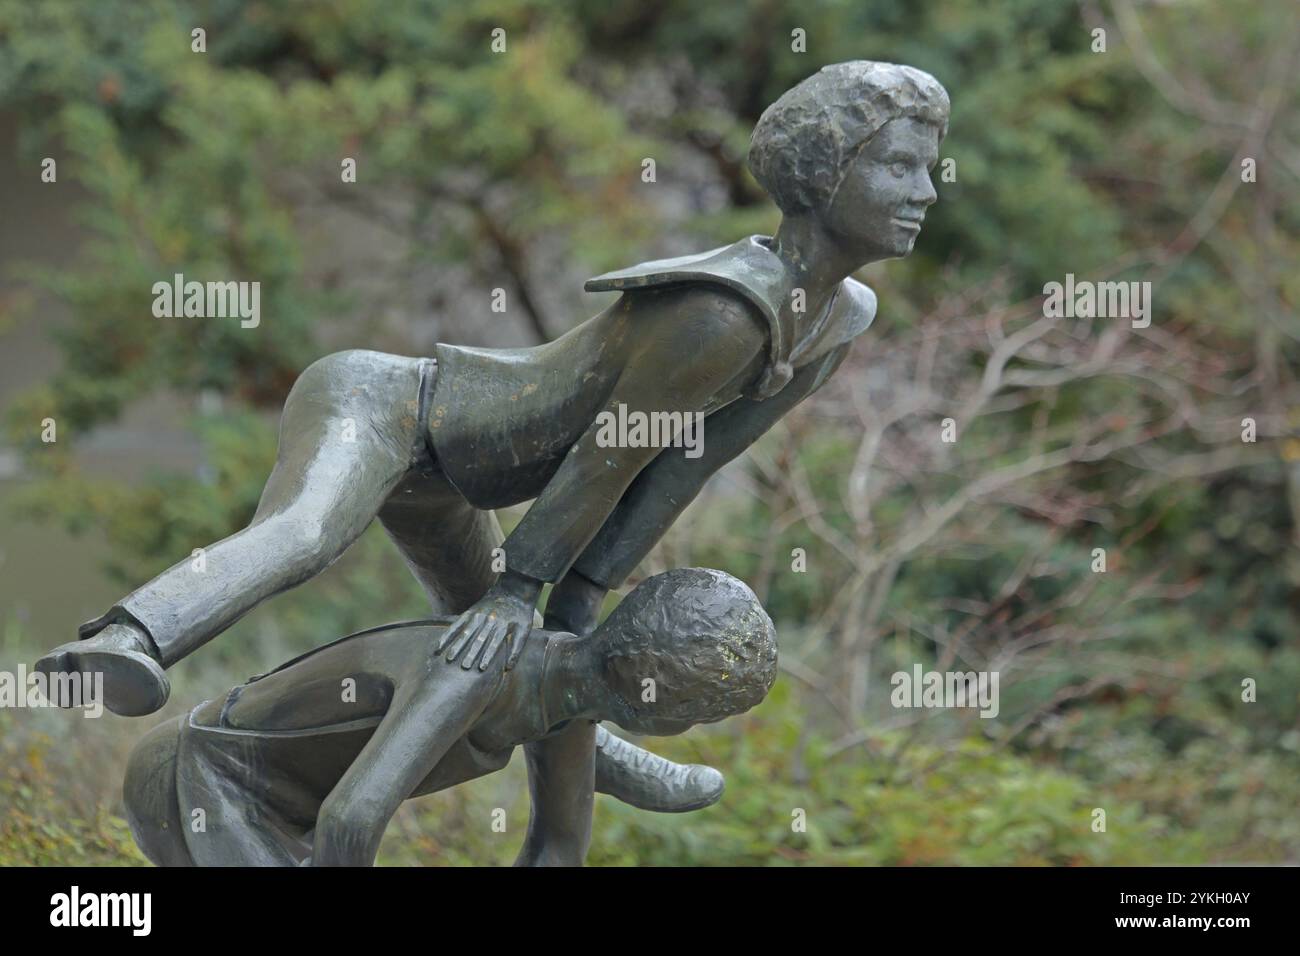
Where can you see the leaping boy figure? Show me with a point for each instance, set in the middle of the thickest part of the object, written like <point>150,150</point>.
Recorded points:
<point>440,442</point>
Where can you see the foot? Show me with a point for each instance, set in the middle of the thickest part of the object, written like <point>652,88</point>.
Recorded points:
<point>134,682</point>
<point>650,782</point>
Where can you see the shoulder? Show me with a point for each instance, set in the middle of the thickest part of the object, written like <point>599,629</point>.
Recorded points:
<point>699,306</point>
<point>747,267</point>
<point>728,288</point>
<point>715,263</point>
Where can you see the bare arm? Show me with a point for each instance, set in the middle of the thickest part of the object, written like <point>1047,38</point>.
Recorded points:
<point>686,354</point>
<point>429,713</point>
<point>672,481</point>
<point>680,367</point>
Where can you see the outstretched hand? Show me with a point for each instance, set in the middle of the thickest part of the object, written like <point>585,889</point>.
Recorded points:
<point>504,614</point>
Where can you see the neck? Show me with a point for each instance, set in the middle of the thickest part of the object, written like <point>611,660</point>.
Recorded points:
<point>817,262</point>
<point>567,678</point>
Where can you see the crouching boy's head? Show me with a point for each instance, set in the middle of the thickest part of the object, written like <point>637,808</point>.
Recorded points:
<point>689,646</point>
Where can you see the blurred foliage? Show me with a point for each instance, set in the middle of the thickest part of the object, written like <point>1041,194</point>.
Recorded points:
<point>511,169</point>
<point>39,826</point>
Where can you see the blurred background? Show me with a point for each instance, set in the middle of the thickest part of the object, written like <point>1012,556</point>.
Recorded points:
<point>1112,155</point>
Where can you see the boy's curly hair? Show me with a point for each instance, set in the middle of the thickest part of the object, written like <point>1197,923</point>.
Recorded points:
<point>703,638</point>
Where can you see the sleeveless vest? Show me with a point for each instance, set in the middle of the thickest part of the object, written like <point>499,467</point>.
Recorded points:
<point>751,268</point>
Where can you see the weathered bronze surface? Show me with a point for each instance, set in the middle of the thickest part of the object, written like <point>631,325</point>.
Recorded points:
<point>428,446</point>
<point>312,759</point>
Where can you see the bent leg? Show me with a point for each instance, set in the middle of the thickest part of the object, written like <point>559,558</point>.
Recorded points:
<point>647,781</point>
<point>349,432</point>
<point>150,796</point>
<point>447,542</point>
<point>162,773</point>
<point>561,786</point>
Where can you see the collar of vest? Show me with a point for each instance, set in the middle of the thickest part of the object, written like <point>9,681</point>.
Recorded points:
<point>751,268</point>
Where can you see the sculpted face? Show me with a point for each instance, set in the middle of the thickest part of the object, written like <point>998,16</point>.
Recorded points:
<point>878,209</point>
<point>615,707</point>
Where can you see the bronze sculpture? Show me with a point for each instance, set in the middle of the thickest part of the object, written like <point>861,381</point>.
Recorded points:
<point>287,768</point>
<point>430,446</point>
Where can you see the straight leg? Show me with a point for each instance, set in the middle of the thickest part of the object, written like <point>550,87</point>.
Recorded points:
<point>349,432</point>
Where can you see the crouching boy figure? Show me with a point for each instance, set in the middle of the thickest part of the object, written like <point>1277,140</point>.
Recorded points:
<point>307,764</point>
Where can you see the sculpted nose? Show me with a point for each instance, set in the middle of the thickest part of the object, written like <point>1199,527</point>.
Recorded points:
<point>923,193</point>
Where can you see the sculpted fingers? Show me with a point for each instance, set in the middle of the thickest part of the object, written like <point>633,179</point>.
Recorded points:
<point>499,638</point>
<point>517,638</point>
<point>466,635</point>
<point>483,636</point>
<point>449,635</point>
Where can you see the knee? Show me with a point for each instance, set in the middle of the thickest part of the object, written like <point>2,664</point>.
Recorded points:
<point>328,387</point>
<point>347,834</point>
<point>150,796</point>
<point>338,370</point>
<point>360,404</point>
<point>344,378</point>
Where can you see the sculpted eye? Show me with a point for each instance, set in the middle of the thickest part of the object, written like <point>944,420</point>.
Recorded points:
<point>898,170</point>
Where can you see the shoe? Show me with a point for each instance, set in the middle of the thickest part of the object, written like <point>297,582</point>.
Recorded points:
<point>134,683</point>
<point>650,782</point>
